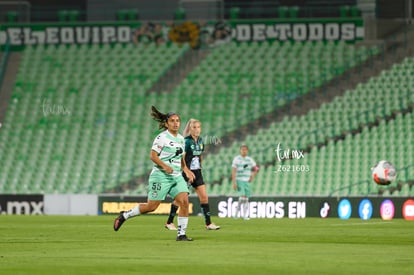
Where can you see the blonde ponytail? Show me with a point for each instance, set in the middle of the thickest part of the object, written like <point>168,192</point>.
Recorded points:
<point>187,128</point>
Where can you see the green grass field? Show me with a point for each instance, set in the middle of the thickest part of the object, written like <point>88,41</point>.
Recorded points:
<point>88,245</point>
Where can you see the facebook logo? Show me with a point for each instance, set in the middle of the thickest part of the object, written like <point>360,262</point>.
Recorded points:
<point>365,209</point>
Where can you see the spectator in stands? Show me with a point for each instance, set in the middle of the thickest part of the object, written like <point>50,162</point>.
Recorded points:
<point>194,148</point>
<point>149,33</point>
<point>244,169</point>
<point>166,175</point>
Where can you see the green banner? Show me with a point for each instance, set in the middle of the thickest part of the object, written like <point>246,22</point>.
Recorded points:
<point>197,34</point>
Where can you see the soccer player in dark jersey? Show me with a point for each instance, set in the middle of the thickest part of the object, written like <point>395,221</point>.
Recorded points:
<point>194,148</point>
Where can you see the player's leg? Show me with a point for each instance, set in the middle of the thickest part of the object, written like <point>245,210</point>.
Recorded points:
<point>140,209</point>
<point>180,194</point>
<point>170,221</point>
<point>240,205</point>
<point>246,201</point>
<point>158,189</point>
<point>183,213</point>
<point>246,208</point>
<point>243,205</point>
<point>205,207</point>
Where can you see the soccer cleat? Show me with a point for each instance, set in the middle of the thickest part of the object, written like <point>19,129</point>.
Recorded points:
<point>119,221</point>
<point>212,226</point>
<point>182,238</point>
<point>170,226</point>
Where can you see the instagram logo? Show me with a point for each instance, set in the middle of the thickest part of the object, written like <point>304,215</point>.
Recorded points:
<point>387,210</point>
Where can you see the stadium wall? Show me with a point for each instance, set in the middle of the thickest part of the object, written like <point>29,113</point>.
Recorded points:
<point>70,204</point>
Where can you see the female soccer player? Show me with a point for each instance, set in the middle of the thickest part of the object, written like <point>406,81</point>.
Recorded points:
<point>244,169</point>
<point>166,175</point>
<point>194,148</point>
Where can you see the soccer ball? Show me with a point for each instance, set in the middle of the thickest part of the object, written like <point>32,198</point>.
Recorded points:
<point>384,172</point>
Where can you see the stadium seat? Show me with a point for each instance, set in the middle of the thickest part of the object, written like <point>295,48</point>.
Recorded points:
<point>105,88</point>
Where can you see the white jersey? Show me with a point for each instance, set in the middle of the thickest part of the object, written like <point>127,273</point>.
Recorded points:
<point>244,167</point>
<point>170,150</point>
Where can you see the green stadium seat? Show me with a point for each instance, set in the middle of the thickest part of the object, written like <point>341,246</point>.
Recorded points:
<point>108,100</point>
<point>73,15</point>
<point>282,12</point>
<point>234,13</point>
<point>344,11</point>
<point>63,15</point>
<point>12,16</point>
<point>180,14</point>
<point>293,11</point>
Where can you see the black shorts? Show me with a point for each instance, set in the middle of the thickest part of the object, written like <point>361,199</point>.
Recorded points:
<point>198,178</point>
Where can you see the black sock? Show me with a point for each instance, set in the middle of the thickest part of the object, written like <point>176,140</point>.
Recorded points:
<point>206,211</point>
<point>173,212</point>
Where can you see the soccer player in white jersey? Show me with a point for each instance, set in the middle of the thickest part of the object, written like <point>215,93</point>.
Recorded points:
<point>244,169</point>
<point>166,175</point>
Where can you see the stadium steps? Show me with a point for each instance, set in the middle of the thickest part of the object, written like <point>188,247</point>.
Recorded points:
<point>286,186</point>
<point>231,72</point>
<point>245,73</point>
<point>393,50</point>
<point>108,104</point>
<point>399,77</point>
<point>6,88</point>
<point>179,70</point>
<point>343,167</point>
<point>312,100</point>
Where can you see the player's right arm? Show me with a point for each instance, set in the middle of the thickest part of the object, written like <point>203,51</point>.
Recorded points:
<point>233,173</point>
<point>233,178</point>
<point>156,159</point>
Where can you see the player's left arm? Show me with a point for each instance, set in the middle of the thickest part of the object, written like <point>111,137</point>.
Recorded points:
<point>255,170</point>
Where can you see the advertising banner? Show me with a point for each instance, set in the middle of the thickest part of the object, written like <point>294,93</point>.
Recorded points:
<point>196,34</point>
<point>114,204</point>
<point>21,204</point>
<point>283,207</point>
<point>323,207</point>
<point>264,207</point>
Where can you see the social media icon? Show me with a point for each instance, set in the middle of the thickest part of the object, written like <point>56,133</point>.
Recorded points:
<point>387,210</point>
<point>344,209</point>
<point>408,210</point>
<point>324,212</point>
<point>365,209</point>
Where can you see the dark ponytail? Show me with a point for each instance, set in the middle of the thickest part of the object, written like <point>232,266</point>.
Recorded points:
<point>160,117</point>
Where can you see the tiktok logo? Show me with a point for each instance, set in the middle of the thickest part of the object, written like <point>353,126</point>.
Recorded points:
<point>324,212</point>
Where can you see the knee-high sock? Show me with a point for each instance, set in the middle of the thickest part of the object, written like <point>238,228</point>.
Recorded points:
<point>182,225</point>
<point>239,208</point>
<point>132,212</point>
<point>205,207</point>
<point>246,207</point>
<point>173,212</point>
